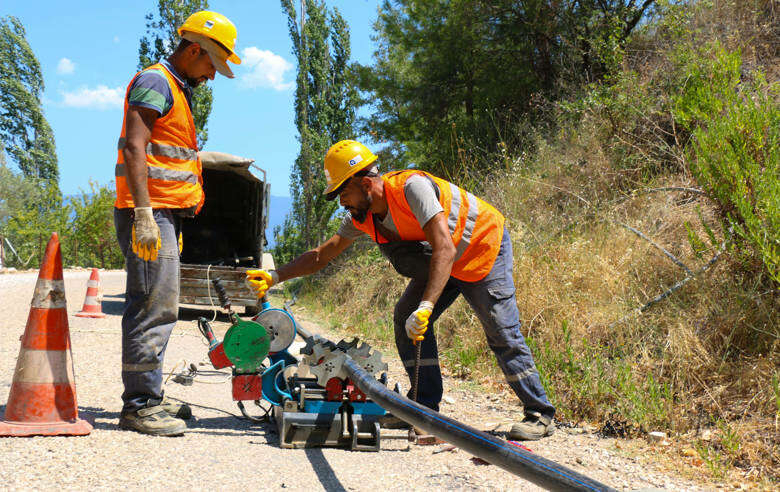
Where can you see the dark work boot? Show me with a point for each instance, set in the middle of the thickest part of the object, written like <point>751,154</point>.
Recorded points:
<point>152,420</point>
<point>533,427</point>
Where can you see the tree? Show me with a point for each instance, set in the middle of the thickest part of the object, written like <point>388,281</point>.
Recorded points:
<point>24,131</point>
<point>91,230</point>
<point>325,102</point>
<point>455,81</point>
<point>161,40</point>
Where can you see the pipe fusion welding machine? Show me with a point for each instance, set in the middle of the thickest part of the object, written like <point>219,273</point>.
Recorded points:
<point>314,402</point>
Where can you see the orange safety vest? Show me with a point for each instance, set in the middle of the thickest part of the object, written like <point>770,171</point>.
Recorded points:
<point>173,165</point>
<point>476,226</point>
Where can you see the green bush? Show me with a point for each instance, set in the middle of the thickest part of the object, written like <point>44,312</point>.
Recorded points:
<point>735,150</point>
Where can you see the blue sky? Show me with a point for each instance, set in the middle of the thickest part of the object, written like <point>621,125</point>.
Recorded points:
<point>88,52</point>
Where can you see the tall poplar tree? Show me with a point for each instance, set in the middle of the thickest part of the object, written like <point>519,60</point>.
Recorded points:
<point>26,135</point>
<point>325,102</point>
<point>161,40</point>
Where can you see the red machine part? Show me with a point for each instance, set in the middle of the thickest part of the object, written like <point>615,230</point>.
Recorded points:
<point>218,358</point>
<point>354,392</point>
<point>334,387</point>
<point>247,387</point>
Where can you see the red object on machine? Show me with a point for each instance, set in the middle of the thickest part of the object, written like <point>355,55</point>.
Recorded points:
<point>334,388</point>
<point>218,358</point>
<point>42,400</point>
<point>247,387</point>
<point>354,392</point>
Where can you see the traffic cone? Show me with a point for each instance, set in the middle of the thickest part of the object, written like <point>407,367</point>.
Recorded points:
<point>42,401</point>
<point>92,302</point>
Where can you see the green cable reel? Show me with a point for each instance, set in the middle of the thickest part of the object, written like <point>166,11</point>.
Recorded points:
<point>246,345</point>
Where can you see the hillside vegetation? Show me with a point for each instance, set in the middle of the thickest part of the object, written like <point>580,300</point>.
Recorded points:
<point>645,216</point>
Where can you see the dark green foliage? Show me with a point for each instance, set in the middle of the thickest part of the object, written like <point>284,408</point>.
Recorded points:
<point>325,101</point>
<point>90,238</point>
<point>457,81</point>
<point>159,42</point>
<point>24,131</point>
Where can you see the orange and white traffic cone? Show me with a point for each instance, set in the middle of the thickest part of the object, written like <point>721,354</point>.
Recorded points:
<point>42,401</point>
<point>92,302</point>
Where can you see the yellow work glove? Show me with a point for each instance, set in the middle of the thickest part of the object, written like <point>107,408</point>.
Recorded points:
<point>417,322</point>
<point>181,243</point>
<point>146,234</point>
<point>260,281</point>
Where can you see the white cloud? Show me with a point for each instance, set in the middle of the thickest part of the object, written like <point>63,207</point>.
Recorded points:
<point>65,66</point>
<point>116,39</point>
<point>266,69</point>
<point>101,97</point>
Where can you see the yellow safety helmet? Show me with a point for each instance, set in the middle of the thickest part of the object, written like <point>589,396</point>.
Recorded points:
<point>217,28</point>
<point>343,160</point>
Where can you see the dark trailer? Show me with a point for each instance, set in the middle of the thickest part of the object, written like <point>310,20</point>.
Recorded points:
<point>227,237</point>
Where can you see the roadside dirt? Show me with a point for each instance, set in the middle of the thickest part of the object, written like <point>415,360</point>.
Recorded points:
<point>227,453</point>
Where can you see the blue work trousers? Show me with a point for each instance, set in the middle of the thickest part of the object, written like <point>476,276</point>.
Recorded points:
<point>493,301</point>
<point>151,308</point>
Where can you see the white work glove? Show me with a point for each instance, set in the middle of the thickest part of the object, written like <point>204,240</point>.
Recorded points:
<point>146,234</point>
<point>260,281</point>
<point>417,322</point>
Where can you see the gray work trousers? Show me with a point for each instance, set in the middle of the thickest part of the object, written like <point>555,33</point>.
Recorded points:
<point>493,301</point>
<point>151,308</point>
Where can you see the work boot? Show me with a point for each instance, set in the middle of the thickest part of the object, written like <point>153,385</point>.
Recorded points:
<point>533,427</point>
<point>152,420</point>
<point>179,410</point>
<point>390,421</point>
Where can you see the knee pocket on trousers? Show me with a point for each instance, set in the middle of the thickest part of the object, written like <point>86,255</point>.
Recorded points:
<point>504,309</point>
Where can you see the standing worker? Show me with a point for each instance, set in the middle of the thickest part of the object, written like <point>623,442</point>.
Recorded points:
<point>449,242</point>
<point>158,181</point>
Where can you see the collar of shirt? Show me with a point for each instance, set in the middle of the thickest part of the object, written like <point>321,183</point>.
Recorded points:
<point>179,79</point>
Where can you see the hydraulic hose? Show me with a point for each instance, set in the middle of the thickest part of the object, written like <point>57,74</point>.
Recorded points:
<point>540,471</point>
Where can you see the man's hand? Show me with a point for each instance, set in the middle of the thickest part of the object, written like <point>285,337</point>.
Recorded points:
<point>260,281</point>
<point>146,234</point>
<point>417,322</point>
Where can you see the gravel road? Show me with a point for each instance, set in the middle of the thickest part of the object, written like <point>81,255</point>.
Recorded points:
<point>221,452</point>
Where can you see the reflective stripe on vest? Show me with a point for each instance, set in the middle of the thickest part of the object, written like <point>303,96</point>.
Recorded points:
<point>173,166</point>
<point>475,226</point>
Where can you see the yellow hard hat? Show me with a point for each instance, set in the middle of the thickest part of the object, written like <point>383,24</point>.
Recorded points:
<point>343,160</point>
<point>215,27</point>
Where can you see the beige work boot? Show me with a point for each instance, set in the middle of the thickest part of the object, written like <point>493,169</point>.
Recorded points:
<point>179,410</point>
<point>533,427</point>
<point>154,421</point>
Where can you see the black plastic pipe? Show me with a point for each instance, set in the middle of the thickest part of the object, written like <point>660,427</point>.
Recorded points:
<point>540,471</point>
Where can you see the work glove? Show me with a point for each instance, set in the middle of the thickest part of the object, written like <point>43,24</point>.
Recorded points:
<point>261,280</point>
<point>146,234</point>
<point>417,322</point>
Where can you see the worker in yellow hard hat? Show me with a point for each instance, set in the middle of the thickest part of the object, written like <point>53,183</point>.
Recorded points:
<point>449,243</point>
<point>158,182</point>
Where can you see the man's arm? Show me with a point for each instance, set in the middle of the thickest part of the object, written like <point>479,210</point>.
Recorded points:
<point>139,124</point>
<point>437,233</point>
<point>315,259</point>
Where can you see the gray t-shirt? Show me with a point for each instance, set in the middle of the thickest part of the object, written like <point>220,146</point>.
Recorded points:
<point>421,194</point>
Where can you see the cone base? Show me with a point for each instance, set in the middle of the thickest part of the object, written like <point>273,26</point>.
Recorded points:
<point>76,427</point>
<point>85,314</point>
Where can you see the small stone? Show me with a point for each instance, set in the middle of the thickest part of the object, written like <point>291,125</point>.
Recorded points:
<point>656,436</point>
<point>706,435</point>
<point>449,399</point>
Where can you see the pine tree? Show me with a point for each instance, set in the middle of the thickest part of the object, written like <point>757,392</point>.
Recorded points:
<point>325,102</point>
<point>161,40</point>
<point>26,135</point>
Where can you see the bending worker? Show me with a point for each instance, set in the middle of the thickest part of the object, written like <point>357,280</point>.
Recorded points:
<point>158,182</point>
<point>448,242</point>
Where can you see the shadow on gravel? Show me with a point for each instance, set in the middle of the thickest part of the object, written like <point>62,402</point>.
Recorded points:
<point>228,426</point>
<point>113,307</point>
<point>324,471</point>
<point>91,414</point>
